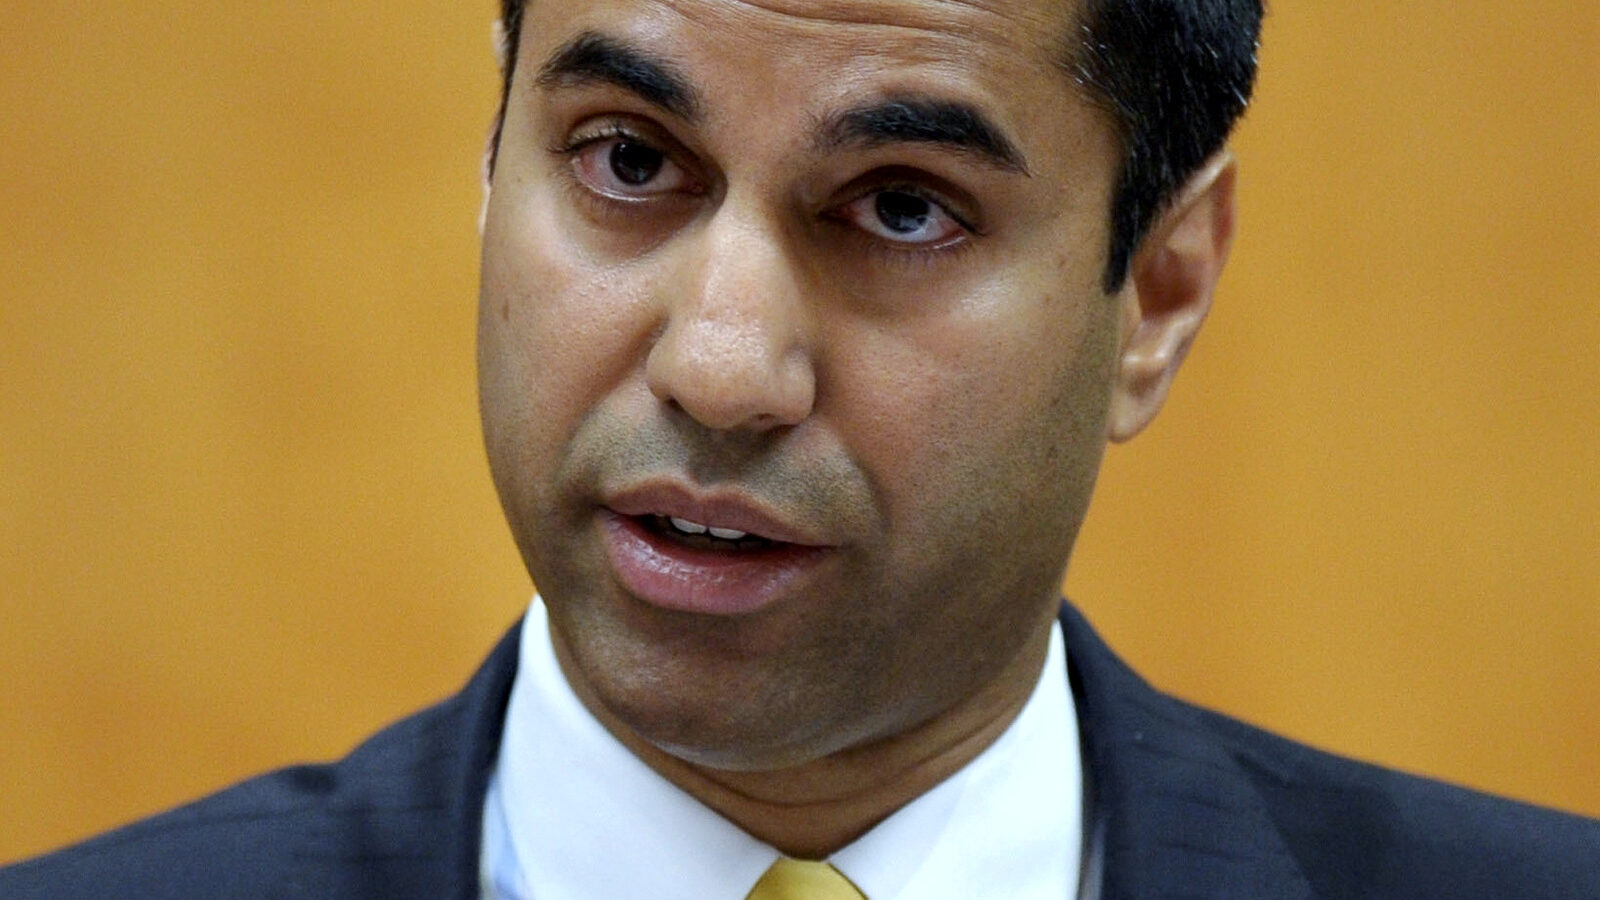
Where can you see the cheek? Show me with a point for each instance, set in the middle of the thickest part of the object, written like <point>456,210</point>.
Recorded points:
<point>557,331</point>
<point>556,335</point>
<point>987,423</point>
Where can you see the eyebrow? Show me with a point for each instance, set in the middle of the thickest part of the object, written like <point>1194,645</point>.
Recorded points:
<point>949,124</point>
<point>594,58</point>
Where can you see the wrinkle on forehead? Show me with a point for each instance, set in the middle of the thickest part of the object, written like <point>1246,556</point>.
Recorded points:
<point>1031,26</point>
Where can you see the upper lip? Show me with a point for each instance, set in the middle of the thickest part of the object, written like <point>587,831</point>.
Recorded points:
<point>720,508</point>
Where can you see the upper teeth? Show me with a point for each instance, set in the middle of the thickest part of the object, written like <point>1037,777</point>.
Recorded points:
<point>688,527</point>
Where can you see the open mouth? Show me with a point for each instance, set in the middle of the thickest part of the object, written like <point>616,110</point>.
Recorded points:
<point>704,537</point>
<point>677,563</point>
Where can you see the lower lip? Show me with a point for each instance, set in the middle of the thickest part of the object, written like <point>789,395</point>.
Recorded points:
<point>665,573</point>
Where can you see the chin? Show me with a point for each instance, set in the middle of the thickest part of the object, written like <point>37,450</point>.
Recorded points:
<point>714,729</point>
<point>738,756</point>
<point>708,692</point>
<point>734,721</point>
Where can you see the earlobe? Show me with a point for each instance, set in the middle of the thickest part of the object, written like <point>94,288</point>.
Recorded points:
<point>1168,293</point>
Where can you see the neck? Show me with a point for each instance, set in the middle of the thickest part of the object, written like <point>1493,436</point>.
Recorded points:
<point>815,808</point>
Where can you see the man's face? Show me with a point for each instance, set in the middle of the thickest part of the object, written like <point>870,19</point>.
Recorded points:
<point>823,273</point>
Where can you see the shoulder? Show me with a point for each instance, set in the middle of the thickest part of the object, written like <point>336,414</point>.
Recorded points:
<point>1176,780</point>
<point>398,817</point>
<point>1362,830</point>
<point>259,838</point>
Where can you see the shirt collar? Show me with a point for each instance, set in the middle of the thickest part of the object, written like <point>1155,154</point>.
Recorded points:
<point>573,814</point>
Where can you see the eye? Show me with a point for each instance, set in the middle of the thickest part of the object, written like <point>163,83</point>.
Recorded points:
<point>625,168</point>
<point>903,216</point>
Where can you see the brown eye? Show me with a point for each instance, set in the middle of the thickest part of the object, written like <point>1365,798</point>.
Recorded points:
<point>903,213</point>
<point>635,164</point>
<point>625,168</point>
<point>903,216</point>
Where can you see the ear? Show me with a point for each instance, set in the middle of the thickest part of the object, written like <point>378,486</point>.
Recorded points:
<point>502,51</point>
<point>501,41</point>
<point>486,175</point>
<point>1168,293</point>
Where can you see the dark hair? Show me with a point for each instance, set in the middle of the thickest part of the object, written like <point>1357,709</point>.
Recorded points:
<point>1173,74</point>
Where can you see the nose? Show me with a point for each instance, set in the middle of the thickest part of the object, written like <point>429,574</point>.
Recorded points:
<point>734,353</point>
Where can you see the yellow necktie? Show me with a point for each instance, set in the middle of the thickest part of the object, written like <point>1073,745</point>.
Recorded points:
<point>797,879</point>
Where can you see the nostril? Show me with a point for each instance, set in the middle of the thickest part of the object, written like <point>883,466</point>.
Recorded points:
<point>729,375</point>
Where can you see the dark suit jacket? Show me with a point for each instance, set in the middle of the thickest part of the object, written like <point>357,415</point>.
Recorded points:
<point>1194,805</point>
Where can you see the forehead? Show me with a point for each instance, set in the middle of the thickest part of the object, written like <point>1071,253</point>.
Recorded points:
<point>788,64</point>
<point>996,45</point>
<point>1012,22</point>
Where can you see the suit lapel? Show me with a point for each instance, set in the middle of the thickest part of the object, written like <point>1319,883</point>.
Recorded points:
<point>483,715</point>
<point>1180,818</point>
<point>400,817</point>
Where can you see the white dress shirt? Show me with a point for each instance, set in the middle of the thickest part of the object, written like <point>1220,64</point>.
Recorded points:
<point>572,814</point>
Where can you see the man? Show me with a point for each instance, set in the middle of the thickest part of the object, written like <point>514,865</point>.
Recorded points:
<point>803,328</point>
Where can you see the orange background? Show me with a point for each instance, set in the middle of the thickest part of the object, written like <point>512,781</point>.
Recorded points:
<point>245,519</point>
